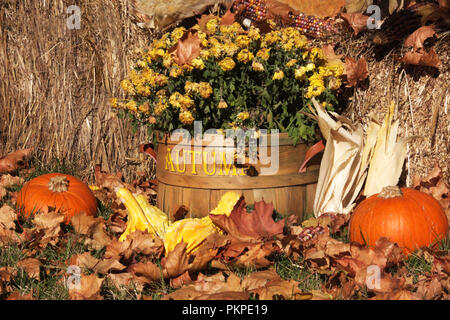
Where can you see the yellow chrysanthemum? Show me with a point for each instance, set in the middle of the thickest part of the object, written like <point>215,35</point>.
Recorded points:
<point>175,99</point>
<point>271,37</point>
<point>131,105</point>
<point>310,66</point>
<point>205,90</point>
<point>127,86</point>
<point>186,117</point>
<point>198,63</point>
<point>291,63</point>
<point>299,73</point>
<point>257,66</point>
<point>160,107</point>
<point>243,115</point>
<point>230,48</point>
<point>222,104</point>
<point>176,71</point>
<point>113,102</point>
<point>191,87</point>
<point>227,64</point>
<point>177,33</point>
<point>263,53</point>
<point>144,108</point>
<point>316,88</point>
<point>211,26</point>
<point>316,54</point>
<point>242,40</point>
<point>278,75</point>
<point>245,56</point>
<point>253,33</point>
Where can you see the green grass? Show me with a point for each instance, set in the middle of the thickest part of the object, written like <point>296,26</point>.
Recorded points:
<point>55,166</point>
<point>298,270</point>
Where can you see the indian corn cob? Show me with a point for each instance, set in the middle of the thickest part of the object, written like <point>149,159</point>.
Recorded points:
<point>257,10</point>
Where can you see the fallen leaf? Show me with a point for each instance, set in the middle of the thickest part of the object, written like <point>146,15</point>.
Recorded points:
<point>429,289</point>
<point>259,279</point>
<point>355,71</point>
<point>228,18</point>
<point>83,260</point>
<point>181,280</point>
<point>47,228</point>
<point>7,180</point>
<point>107,180</point>
<point>257,255</point>
<point>396,295</point>
<point>441,264</point>
<point>318,8</point>
<point>281,290</point>
<point>148,148</point>
<point>356,6</point>
<point>253,226</point>
<point>93,228</point>
<point>7,217</point>
<point>88,288</point>
<point>124,280</point>
<point>278,10</point>
<point>417,38</point>
<point>226,295</point>
<point>422,58</point>
<point>177,262</point>
<point>222,285</point>
<point>138,242</point>
<point>16,295</point>
<point>187,48</point>
<point>31,267</point>
<point>15,160</point>
<point>357,21</point>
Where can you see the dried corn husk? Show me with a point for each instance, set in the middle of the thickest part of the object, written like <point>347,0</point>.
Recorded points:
<point>388,156</point>
<point>349,158</point>
<point>344,163</point>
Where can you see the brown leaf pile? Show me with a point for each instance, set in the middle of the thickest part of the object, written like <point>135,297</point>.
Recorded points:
<point>250,240</point>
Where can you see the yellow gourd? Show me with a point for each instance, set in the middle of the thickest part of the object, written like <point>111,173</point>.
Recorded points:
<point>193,231</point>
<point>157,219</point>
<point>226,203</point>
<point>136,217</point>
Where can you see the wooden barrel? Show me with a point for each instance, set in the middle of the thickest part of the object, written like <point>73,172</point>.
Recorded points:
<point>199,186</point>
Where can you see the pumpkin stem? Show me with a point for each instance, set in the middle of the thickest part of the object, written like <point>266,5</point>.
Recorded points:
<point>58,184</point>
<point>390,192</point>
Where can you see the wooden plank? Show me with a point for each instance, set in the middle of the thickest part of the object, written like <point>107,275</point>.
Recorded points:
<point>200,205</point>
<point>310,196</point>
<point>237,182</point>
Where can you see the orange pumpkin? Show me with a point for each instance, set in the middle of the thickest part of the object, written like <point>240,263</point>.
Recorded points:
<point>409,217</point>
<point>63,192</point>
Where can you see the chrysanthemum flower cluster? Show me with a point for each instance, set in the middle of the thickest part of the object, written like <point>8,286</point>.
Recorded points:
<point>238,78</point>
